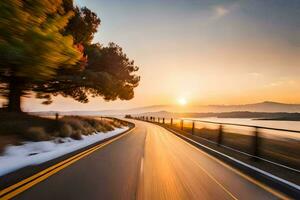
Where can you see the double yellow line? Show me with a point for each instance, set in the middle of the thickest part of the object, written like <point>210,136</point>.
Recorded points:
<point>29,182</point>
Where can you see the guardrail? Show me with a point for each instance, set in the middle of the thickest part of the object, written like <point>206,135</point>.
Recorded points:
<point>274,144</point>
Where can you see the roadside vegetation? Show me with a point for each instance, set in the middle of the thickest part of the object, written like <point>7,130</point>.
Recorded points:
<point>17,128</point>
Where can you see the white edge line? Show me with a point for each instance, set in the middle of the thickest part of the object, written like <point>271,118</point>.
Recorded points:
<point>142,166</point>
<point>293,185</point>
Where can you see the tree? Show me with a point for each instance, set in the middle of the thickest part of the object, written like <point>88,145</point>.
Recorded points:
<point>32,46</point>
<point>83,25</point>
<point>46,47</point>
<point>108,72</point>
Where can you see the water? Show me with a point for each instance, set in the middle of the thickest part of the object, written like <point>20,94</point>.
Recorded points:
<point>289,125</point>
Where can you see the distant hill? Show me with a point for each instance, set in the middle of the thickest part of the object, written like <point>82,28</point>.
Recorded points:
<point>238,114</point>
<point>266,107</point>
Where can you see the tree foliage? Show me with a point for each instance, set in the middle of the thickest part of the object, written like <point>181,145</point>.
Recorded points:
<point>83,25</point>
<point>107,73</point>
<point>32,46</point>
<point>46,47</point>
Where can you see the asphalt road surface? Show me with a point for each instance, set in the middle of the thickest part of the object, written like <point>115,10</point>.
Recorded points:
<point>148,163</point>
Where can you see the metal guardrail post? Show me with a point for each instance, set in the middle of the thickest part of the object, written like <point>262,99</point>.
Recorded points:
<point>163,120</point>
<point>256,142</point>
<point>171,121</point>
<point>193,128</point>
<point>181,124</point>
<point>220,136</point>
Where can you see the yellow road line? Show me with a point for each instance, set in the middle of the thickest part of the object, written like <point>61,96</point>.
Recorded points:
<point>272,191</point>
<point>12,187</point>
<point>33,180</point>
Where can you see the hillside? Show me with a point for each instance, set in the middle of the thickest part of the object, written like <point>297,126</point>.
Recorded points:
<point>238,114</point>
<point>265,107</point>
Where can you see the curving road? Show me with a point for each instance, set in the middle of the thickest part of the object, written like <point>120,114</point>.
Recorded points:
<point>148,163</point>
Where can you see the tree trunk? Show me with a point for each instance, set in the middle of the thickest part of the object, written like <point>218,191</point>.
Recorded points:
<point>14,95</point>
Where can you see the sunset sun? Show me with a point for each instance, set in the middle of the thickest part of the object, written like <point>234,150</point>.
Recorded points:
<point>182,101</point>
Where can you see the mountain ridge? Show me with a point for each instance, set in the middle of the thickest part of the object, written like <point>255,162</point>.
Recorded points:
<point>266,106</point>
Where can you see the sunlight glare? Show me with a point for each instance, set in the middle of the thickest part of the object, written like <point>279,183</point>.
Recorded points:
<point>182,101</point>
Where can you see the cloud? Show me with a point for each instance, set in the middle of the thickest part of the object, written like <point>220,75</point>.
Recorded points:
<point>221,11</point>
<point>256,74</point>
<point>283,82</point>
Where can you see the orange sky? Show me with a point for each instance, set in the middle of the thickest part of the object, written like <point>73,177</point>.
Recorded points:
<point>227,52</point>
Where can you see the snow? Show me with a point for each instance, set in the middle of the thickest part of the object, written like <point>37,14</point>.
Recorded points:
<point>34,153</point>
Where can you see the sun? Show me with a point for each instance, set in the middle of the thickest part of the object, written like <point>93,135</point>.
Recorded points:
<point>182,101</point>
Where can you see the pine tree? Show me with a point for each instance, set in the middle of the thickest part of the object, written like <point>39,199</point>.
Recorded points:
<point>32,46</point>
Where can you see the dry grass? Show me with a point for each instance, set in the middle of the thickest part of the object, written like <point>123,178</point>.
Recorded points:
<point>16,127</point>
<point>36,134</point>
<point>89,125</point>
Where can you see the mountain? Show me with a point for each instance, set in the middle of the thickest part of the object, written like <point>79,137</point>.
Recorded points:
<point>283,116</point>
<point>267,106</point>
<point>116,112</point>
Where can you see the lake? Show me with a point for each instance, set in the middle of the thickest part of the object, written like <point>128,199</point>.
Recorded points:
<point>289,125</point>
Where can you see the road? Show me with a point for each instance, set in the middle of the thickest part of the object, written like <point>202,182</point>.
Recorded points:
<point>148,163</point>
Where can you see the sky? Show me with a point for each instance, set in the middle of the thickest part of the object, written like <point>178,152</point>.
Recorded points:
<point>203,51</point>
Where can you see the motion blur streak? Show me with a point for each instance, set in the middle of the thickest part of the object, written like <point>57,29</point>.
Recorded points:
<point>175,170</point>
<point>150,163</point>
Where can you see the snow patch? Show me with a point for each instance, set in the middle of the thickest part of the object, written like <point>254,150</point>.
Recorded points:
<point>34,153</point>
